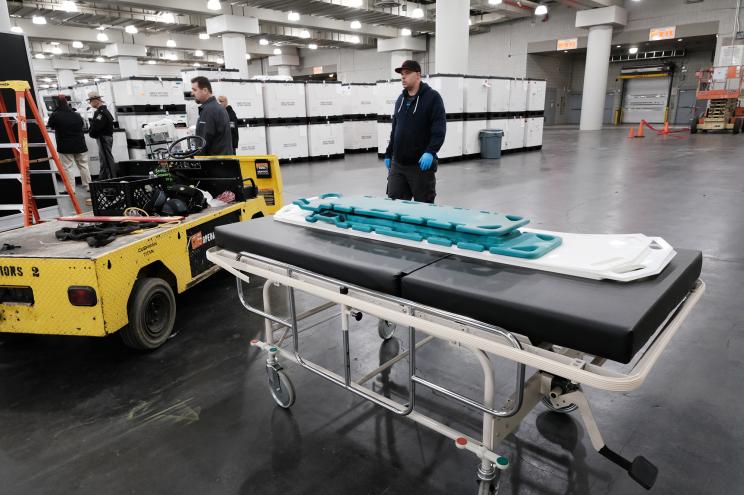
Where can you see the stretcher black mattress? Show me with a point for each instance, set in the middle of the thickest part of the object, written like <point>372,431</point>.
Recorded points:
<point>604,318</point>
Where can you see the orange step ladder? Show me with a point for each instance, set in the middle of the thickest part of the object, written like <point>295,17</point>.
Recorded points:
<point>20,146</point>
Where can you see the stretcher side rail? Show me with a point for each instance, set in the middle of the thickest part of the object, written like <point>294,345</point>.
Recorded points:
<point>448,326</point>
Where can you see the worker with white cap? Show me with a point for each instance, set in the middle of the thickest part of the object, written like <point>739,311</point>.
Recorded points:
<point>102,130</point>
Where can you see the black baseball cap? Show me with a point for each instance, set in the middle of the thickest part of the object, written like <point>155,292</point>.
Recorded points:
<point>411,65</point>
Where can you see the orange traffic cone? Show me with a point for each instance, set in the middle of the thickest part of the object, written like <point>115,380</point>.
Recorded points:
<point>666,128</point>
<point>631,134</point>
<point>640,131</point>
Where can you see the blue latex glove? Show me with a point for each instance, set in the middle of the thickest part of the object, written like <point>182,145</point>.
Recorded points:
<point>425,161</point>
<point>387,163</point>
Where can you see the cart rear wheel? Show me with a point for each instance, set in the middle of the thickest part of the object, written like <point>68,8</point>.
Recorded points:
<point>152,313</point>
<point>281,388</point>
<point>693,126</point>
<point>385,329</point>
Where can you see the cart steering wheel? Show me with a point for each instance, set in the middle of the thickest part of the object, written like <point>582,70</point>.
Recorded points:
<point>199,143</point>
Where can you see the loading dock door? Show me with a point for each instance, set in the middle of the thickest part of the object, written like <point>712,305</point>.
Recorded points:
<point>646,98</point>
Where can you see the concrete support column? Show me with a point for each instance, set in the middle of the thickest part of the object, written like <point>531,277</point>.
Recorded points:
<point>284,70</point>
<point>233,46</point>
<point>397,58</point>
<point>598,46</point>
<point>65,78</point>
<point>4,17</point>
<point>128,67</point>
<point>452,37</point>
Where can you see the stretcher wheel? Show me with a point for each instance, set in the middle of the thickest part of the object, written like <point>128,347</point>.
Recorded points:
<point>385,329</point>
<point>282,389</point>
<point>152,313</point>
<point>563,410</point>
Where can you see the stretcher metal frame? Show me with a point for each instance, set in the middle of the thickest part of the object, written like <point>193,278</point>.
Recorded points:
<point>558,381</point>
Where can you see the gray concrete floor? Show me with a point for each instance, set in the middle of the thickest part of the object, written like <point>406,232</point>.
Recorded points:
<point>86,416</point>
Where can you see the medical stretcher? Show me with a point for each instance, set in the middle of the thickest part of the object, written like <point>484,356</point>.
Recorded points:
<point>565,327</point>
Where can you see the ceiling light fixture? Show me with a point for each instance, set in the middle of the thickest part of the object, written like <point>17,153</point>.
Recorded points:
<point>214,5</point>
<point>198,53</point>
<point>220,60</point>
<point>356,25</point>
<point>633,50</point>
<point>69,6</point>
<point>107,76</point>
<point>541,10</point>
<point>47,79</point>
<point>152,62</point>
<point>100,59</point>
<point>312,46</point>
<point>277,51</point>
<point>38,19</point>
<point>417,13</point>
<point>293,16</point>
<point>170,43</point>
<point>40,55</point>
<point>494,2</point>
<point>304,34</point>
<point>196,64</point>
<point>83,81</point>
<point>77,44</point>
<point>167,18</point>
<point>247,56</point>
<point>54,43</point>
<point>131,29</point>
<point>16,29</point>
<point>263,42</point>
<point>203,36</point>
<point>102,37</point>
<point>405,32</point>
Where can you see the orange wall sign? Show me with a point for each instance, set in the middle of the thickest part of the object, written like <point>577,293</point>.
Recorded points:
<point>662,33</point>
<point>568,44</point>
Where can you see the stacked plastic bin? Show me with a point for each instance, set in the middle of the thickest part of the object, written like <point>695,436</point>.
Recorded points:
<point>360,117</point>
<point>286,120</point>
<point>325,128</point>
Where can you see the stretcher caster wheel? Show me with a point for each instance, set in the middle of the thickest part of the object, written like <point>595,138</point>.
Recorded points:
<point>152,313</point>
<point>385,329</point>
<point>282,389</point>
<point>563,410</point>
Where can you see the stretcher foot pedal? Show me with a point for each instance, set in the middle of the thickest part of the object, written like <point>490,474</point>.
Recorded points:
<point>641,470</point>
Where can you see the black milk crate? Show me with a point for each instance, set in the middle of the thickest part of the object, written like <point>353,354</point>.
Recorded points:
<point>111,197</point>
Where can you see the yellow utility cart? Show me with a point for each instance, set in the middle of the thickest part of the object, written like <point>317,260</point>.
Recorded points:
<point>57,287</point>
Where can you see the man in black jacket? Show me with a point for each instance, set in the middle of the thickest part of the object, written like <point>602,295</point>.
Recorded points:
<point>233,121</point>
<point>102,130</point>
<point>419,127</point>
<point>213,124</point>
<point>68,133</point>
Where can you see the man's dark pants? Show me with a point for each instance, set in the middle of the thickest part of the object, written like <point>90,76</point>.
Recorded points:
<point>409,181</point>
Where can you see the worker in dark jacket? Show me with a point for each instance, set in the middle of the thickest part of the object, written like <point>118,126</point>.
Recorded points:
<point>102,130</point>
<point>213,124</point>
<point>70,138</point>
<point>233,121</point>
<point>419,127</point>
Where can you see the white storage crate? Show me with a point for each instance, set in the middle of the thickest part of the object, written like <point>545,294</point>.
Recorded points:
<point>252,141</point>
<point>470,139</point>
<point>325,139</point>
<point>284,99</point>
<point>533,132</point>
<point>245,97</point>
<point>498,95</point>
<point>536,96</point>
<point>323,99</point>
<point>517,96</point>
<point>386,94</point>
<point>450,88</point>
<point>383,136</point>
<point>360,134</point>
<point>147,91</point>
<point>475,95</point>
<point>287,141</point>
<point>452,147</point>
<point>515,133</point>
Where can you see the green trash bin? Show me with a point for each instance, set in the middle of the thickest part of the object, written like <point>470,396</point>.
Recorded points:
<point>490,143</point>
